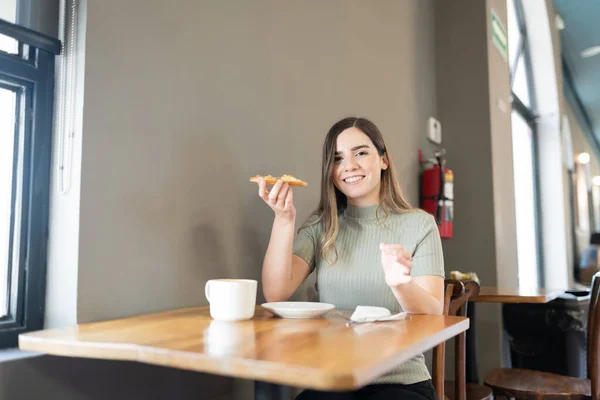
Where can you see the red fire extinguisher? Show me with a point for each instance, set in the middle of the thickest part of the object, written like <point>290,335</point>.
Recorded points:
<point>437,191</point>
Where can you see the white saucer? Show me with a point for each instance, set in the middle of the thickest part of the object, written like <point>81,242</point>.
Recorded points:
<point>298,309</point>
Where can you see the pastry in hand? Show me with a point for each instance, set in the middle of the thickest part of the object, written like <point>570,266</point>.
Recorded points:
<point>271,180</point>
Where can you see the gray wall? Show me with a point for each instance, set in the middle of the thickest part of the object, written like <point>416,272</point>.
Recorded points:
<point>182,105</point>
<point>60,378</point>
<point>472,78</point>
<point>39,15</point>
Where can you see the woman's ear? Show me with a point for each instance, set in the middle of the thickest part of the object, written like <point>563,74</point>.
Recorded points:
<point>384,161</point>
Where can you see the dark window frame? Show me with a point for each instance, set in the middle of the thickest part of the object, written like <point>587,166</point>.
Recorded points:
<point>30,74</point>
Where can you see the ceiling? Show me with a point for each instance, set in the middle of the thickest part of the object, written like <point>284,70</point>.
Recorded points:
<point>581,31</point>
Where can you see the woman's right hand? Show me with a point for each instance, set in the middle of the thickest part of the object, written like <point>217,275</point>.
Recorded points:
<point>279,198</point>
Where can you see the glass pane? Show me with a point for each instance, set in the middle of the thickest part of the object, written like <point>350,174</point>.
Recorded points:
<point>520,87</point>
<point>7,135</point>
<point>8,44</point>
<point>582,196</point>
<point>514,33</point>
<point>596,207</point>
<point>525,205</point>
<point>8,12</point>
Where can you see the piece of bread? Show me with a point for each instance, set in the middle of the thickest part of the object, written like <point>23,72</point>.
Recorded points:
<point>271,180</point>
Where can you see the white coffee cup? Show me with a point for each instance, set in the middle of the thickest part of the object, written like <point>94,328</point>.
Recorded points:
<point>231,299</point>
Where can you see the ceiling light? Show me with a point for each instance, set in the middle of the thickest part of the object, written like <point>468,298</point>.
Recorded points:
<point>590,52</point>
<point>583,158</point>
<point>558,21</point>
<point>596,180</point>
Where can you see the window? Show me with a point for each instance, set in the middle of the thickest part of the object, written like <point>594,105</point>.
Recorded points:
<point>8,12</point>
<point>524,149</point>
<point>26,107</point>
<point>524,165</point>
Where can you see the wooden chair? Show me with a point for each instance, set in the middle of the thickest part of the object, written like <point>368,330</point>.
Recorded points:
<point>439,351</point>
<point>526,384</point>
<point>458,389</point>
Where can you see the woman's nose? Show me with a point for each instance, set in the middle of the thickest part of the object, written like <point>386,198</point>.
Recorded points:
<point>350,164</point>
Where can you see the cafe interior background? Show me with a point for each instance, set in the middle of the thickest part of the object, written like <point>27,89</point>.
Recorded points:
<point>162,110</point>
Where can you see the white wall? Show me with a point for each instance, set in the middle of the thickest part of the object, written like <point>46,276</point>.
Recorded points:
<point>544,42</point>
<point>63,241</point>
<point>502,157</point>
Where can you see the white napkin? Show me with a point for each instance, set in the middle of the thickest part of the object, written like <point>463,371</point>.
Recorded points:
<point>372,314</point>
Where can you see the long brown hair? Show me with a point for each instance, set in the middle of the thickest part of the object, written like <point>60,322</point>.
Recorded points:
<point>333,201</point>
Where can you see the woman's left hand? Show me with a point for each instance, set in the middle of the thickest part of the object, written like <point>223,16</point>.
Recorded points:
<point>396,263</point>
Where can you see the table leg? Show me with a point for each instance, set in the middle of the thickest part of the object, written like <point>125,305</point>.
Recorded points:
<point>472,375</point>
<point>271,391</point>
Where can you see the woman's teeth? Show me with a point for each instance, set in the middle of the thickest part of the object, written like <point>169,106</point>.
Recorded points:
<point>353,179</point>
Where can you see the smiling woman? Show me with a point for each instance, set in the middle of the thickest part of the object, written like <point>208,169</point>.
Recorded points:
<point>366,244</point>
<point>357,169</point>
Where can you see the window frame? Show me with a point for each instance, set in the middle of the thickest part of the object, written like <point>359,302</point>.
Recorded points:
<point>31,73</point>
<point>530,116</point>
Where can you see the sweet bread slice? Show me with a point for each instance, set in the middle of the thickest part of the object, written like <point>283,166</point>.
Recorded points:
<point>271,180</point>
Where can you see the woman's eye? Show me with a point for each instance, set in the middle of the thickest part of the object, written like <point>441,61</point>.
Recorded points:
<point>337,159</point>
<point>361,153</point>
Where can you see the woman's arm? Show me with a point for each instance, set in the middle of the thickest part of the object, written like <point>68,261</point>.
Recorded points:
<point>419,295</point>
<point>417,280</point>
<point>282,272</point>
<point>422,295</point>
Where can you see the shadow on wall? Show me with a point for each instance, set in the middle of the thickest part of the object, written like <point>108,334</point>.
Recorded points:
<point>201,219</point>
<point>210,252</point>
<point>215,195</point>
<point>255,235</point>
<point>62,378</point>
<point>187,217</point>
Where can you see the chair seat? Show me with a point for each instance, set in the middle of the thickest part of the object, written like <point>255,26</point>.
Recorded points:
<point>529,384</point>
<point>474,391</point>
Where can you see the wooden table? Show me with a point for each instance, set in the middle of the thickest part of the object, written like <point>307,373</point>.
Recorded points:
<point>320,353</point>
<point>492,294</point>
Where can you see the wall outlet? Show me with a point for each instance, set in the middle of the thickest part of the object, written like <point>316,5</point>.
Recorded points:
<point>434,130</point>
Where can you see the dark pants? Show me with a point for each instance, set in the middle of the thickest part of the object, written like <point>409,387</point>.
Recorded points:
<point>417,391</point>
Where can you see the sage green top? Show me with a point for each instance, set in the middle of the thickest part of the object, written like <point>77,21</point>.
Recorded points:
<point>357,278</point>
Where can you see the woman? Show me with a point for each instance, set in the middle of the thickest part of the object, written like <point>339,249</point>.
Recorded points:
<point>368,246</point>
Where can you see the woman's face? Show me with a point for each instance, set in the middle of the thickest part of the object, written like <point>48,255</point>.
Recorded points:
<point>357,168</point>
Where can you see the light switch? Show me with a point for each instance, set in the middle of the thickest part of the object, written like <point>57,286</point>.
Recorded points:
<point>434,130</point>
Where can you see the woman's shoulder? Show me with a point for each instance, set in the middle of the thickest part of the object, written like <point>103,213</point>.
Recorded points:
<point>414,216</point>
<point>312,223</point>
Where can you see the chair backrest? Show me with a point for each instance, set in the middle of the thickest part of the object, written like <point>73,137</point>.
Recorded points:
<point>593,333</point>
<point>458,306</point>
<point>439,351</point>
<point>461,292</point>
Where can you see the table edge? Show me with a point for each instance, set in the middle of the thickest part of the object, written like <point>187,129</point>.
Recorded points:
<point>197,362</point>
